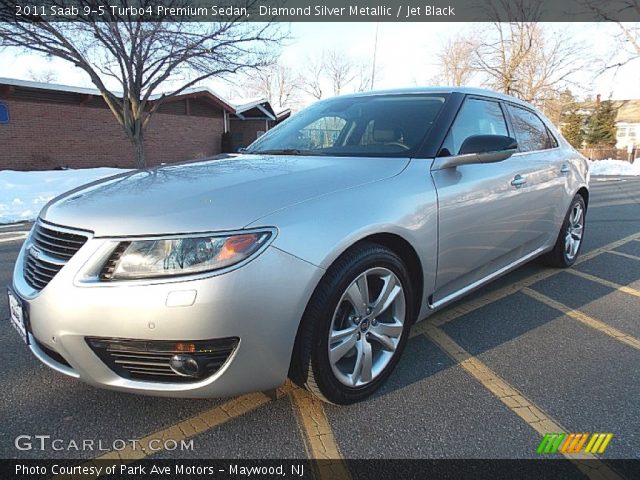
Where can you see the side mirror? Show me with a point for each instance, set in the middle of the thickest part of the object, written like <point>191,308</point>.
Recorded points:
<point>479,149</point>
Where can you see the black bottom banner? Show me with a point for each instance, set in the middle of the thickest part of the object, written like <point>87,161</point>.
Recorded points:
<point>320,469</point>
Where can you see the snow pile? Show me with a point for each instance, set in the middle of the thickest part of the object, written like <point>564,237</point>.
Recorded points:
<point>23,194</point>
<point>614,167</point>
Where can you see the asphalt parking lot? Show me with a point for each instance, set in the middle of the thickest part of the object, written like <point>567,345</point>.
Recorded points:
<point>540,350</point>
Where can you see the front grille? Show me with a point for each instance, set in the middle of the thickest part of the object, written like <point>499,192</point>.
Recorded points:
<point>148,360</point>
<point>110,266</point>
<point>50,249</point>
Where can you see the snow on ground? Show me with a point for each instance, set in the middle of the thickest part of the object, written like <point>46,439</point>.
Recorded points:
<point>614,167</point>
<point>23,194</point>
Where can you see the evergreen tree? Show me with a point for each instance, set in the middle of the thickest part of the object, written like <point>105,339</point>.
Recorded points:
<point>602,126</point>
<point>572,128</point>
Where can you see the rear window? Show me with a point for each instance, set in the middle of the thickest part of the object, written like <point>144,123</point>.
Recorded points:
<point>531,132</point>
<point>380,125</point>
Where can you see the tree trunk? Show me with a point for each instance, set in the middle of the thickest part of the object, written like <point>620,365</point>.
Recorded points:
<point>138,148</point>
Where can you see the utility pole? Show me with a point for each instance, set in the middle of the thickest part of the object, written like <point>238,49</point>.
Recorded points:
<point>375,49</point>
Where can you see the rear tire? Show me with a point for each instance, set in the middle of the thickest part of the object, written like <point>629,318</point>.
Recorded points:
<point>355,326</point>
<point>567,247</point>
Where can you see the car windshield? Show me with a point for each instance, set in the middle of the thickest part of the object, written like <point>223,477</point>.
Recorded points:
<point>367,126</point>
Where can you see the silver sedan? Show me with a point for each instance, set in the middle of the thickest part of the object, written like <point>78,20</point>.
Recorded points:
<point>308,255</point>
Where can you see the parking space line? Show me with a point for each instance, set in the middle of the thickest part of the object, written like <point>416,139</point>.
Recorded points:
<point>12,236</point>
<point>626,255</point>
<point>186,429</point>
<point>584,318</point>
<point>607,248</point>
<point>450,313</point>
<point>12,225</point>
<point>607,283</point>
<point>515,401</point>
<point>319,440</point>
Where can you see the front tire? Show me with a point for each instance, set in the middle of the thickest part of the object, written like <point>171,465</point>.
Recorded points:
<point>355,326</point>
<point>567,247</point>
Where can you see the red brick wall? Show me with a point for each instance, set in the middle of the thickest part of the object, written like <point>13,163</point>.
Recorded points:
<point>42,136</point>
<point>245,131</point>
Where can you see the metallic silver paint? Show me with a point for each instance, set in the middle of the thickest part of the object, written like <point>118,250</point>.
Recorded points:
<point>466,226</point>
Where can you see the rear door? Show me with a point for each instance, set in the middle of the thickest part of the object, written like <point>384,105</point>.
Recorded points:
<point>545,168</point>
<point>483,208</point>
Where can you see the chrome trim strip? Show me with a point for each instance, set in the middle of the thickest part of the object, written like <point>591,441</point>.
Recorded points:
<point>63,229</point>
<point>463,291</point>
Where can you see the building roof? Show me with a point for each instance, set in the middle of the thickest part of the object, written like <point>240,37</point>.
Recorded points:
<point>628,111</point>
<point>197,92</point>
<point>283,114</point>
<point>257,107</point>
<point>242,108</point>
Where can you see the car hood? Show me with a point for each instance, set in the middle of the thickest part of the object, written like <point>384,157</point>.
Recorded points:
<point>224,193</point>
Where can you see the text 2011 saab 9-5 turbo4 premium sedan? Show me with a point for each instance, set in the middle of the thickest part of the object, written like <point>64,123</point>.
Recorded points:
<point>309,254</point>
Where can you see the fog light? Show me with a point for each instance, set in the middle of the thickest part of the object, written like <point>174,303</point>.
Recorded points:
<point>185,365</point>
<point>185,347</point>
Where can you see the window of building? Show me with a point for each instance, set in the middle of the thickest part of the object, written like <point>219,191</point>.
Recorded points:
<point>632,132</point>
<point>4,113</point>
<point>622,132</point>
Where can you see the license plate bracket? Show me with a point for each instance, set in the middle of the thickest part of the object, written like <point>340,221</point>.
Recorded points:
<point>17,315</point>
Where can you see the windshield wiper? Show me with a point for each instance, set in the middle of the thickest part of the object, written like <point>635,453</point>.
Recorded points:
<point>285,151</point>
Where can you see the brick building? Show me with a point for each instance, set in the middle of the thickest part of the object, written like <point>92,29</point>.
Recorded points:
<point>44,126</point>
<point>252,119</point>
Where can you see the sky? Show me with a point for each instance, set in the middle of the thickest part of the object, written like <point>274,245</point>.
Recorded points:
<point>405,54</point>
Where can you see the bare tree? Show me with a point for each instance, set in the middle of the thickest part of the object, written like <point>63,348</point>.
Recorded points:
<point>140,57</point>
<point>334,71</point>
<point>365,74</point>
<point>43,76</point>
<point>340,70</point>
<point>279,83</point>
<point>526,60</point>
<point>456,62</point>
<point>627,48</point>
<point>311,78</point>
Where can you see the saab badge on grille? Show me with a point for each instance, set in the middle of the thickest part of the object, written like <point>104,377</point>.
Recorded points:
<point>34,252</point>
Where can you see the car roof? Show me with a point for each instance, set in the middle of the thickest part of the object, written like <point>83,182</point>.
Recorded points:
<point>464,90</point>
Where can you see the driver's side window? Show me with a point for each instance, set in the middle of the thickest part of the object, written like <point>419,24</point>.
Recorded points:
<point>476,117</point>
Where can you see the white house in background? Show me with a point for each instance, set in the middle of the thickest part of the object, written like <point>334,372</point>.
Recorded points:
<point>628,124</point>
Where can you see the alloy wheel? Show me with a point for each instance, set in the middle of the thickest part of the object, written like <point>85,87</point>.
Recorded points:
<point>575,229</point>
<point>367,327</point>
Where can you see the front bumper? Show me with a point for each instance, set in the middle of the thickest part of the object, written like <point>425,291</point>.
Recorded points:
<point>261,303</point>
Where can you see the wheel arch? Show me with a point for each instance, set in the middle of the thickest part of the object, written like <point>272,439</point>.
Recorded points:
<point>395,243</point>
<point>401,247</point>
<point>584,192</point>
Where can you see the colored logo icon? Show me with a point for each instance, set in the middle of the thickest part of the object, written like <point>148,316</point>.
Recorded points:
<point>574,443</point>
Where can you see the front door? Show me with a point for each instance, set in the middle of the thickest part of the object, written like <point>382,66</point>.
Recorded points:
<point>483,224</point>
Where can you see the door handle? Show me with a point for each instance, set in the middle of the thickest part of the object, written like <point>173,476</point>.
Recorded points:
<point>565,169</point>
<point>518,181</point>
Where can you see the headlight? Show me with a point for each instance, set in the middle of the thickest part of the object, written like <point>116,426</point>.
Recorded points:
<point>180,256</point>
